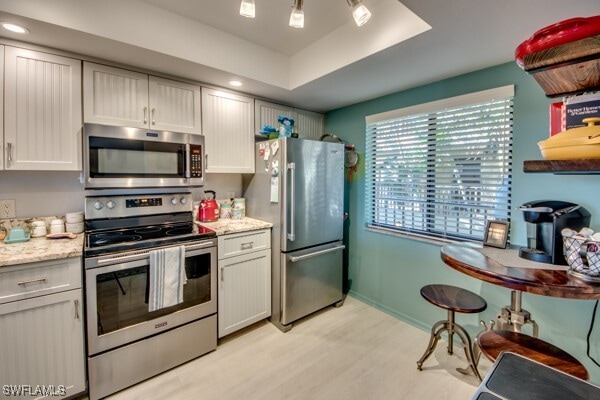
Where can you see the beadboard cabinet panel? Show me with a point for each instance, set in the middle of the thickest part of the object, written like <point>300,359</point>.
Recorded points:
<point>174,106</point>
<point>115,96</point>
<point>227,124</point>
<point>42,342</point>
<point>2,150</point>
<point>42,111</point>
<point>266,114</point>
<point>244,290</point>
<point>308,124</point>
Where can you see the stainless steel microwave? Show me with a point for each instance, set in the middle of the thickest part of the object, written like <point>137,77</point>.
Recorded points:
<point>120,157</point>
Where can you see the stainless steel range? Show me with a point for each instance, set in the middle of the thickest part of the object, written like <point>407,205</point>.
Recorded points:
<point>126,342</point>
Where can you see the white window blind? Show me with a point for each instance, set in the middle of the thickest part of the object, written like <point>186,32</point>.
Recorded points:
<point>441,169</point>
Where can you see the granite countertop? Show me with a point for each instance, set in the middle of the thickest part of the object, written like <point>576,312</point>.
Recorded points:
<point>228,226</point>
<point>40,249</point>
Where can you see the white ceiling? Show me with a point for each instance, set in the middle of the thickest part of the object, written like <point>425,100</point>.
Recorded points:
<point>329,64</point>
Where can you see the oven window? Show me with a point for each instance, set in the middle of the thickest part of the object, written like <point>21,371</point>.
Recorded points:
<point>122,296</point>
<point>113,158</point>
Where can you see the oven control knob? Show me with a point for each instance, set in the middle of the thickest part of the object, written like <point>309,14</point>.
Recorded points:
<point>111,204</point>
<point>174,201</point>
<point>183,200</point>
<point>98,205</point>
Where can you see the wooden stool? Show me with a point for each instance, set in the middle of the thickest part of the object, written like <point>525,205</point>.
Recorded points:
<point>492,343</point>
<point>453,299</point>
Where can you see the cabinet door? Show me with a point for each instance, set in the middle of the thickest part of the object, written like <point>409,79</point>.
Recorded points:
<point>244,290</point>
<point>42,343</point>
<point>310,125</point>
<point>43,111</point>
<point>227,123</point>
<point>115,96</point>
<point>174,106</point>
<point>266,114</point>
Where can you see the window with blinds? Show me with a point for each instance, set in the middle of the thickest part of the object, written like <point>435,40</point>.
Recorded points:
<point>441,169</point>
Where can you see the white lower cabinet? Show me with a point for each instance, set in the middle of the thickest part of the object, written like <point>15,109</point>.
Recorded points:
<point>42,346</point>
<point>244,281</point>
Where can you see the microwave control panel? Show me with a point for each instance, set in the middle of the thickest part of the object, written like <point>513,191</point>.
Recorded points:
<point>196,161</point>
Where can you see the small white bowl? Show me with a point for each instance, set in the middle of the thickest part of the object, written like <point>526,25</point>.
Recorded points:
<point>74,217</point>
<point>75,228</point>
<point>57,226</point>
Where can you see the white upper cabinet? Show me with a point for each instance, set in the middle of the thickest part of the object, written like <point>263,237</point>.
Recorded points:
<point>309,125</point>
<point>227,125</point>
<point>42,114</point>
<point>115,96</point>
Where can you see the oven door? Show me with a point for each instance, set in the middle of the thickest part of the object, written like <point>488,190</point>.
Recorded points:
<point>119,157</point>
<point>117,297</point>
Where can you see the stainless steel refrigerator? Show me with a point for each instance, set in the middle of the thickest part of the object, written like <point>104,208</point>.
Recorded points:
<point>298,186</point>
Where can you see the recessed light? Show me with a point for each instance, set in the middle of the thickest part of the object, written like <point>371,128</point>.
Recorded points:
<point>235,83</point>
<point>14,28</point>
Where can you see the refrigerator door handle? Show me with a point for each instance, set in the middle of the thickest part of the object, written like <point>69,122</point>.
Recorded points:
<point>316,253</point>
<point>292,234</point>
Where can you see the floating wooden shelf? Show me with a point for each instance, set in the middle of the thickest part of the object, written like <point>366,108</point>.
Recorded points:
<point>566,167</point>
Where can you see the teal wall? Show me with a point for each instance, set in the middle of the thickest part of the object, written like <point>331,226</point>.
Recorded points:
<point>388,271</point>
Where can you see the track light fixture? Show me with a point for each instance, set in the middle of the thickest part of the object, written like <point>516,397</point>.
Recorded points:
<point>297,15</point>
<point>247,9</point>
<point>360,12</point>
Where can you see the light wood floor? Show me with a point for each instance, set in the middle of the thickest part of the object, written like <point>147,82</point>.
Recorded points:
<point>351,352</point>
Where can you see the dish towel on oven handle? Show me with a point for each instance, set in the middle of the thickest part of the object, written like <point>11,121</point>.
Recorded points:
<point>167,277</point>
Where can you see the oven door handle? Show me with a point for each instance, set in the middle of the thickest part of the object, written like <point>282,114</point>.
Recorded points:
<point>142,255</point>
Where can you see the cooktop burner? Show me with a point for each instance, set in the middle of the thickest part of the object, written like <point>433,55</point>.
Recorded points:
<point>118,236</point>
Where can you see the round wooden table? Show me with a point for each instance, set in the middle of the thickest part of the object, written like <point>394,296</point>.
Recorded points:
<point>501,267</point>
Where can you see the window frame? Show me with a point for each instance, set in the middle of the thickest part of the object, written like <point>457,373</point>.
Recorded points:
<point>432,233</point>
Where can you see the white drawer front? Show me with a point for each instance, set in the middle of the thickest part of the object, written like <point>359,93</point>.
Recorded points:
<point>35,279</point>
<point>244,242</point>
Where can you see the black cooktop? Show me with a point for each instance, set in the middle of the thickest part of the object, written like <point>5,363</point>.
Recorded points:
<point>124,234</point>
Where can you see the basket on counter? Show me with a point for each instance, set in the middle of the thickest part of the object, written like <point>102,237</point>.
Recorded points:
<point>583,257</point>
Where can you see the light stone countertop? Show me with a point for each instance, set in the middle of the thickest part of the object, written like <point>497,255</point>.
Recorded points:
<point>40,249</point>
<point>228,226</point>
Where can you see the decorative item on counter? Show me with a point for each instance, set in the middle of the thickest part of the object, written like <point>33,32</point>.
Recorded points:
<point>74,217</point>
<point>576,143</point>
<point>286,125</point>
<point>239,204</point>
<point>237,214</point>
<point>2,233</point>
<point>38,229</point>
<point>76,227</point>
<point>17,235</point>
<point>57,226</point>
<point>270,132</point>
<point>225,210</point>
<point>582,251</point>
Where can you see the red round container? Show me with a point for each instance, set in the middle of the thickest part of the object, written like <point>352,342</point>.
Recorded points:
<point>563,32</point>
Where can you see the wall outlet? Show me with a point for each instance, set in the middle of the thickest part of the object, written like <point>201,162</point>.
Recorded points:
<point>7,209</point>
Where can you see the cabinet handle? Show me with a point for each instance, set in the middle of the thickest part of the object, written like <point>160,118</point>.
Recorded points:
<point>76,309</point>
<point>23,283</point>
<point>222,274</point>
<point>246,246</point>
<point>153,116</point>
<point>145,115</point>
<point>205,161</point>
<point>9,151</point>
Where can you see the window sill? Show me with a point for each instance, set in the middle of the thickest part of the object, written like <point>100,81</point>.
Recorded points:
<point>412,236</point>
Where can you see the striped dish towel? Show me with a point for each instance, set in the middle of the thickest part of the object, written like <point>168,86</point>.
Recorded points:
<point>167,277</point>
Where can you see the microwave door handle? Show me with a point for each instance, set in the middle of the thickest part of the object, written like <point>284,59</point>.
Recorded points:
<point>188,161</point>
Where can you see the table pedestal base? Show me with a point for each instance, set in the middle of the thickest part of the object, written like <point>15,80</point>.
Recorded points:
<point>513,317</point>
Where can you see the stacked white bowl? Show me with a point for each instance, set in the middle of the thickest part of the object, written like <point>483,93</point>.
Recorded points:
<point>74,222</point>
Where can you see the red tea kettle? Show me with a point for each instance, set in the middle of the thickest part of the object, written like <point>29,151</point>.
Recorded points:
<point>208,210</point>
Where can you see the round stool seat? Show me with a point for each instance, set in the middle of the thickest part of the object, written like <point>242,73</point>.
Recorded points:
<point>453,298</point>
<point>492,343</point>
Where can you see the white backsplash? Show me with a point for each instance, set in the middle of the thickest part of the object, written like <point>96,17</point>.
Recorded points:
<point>42,193</point>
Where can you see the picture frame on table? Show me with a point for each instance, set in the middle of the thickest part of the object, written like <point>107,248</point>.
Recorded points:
<point>496,234</point>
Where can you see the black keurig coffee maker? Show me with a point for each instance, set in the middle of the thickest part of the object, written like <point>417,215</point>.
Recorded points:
<point>545,219</point>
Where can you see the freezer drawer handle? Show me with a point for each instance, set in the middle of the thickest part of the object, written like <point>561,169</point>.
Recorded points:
<point>292,234</point>
<point>316,253</point>
<point>39,280</point>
